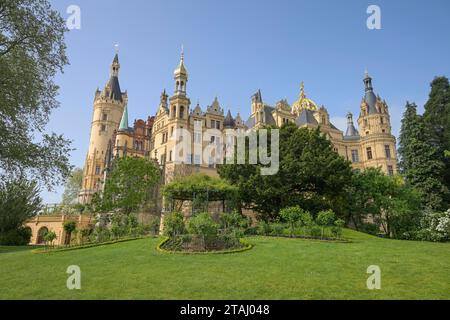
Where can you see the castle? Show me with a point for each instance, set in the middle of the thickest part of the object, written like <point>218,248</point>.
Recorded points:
<point>155,138</point>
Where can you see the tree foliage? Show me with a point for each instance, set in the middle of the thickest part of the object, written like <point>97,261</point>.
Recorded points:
<point>32,51</point>
<point>311,175</point>
<point>193,186</point>
<point>129,185</point>
<point>19,201</point>
<point>393,205</point>
<point>421,162</point>
<point>72,186</point>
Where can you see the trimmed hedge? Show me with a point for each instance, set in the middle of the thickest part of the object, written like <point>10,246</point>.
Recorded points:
<point>246,246</point>
<point>86,246</point>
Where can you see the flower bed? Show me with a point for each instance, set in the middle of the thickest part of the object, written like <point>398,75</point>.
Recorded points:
<point>168,245</point>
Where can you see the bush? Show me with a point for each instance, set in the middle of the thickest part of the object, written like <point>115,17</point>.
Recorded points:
<point>174,224</point>
<point>203,225</point>
<point>292,215</point>
<point>49,237</point>
<point>277,229</point>
<point>435,226</point>
<point>264,229</point>
<point>315,231</point>
<point>234,220</point>
<point>16,237</point>
<point>325,218</point>
<point>336,230</point>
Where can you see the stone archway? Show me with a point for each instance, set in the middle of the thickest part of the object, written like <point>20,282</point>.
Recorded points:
<point>41,234</point>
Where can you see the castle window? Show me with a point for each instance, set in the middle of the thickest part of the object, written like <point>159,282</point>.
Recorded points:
<point>381,120</point>
<point>369,153</point>
<point>218,125</point>
<point>97,170</point>
<point>105,117</point>
<point>355,156</point>
<point>387,149</point>
<point>181,112</point>
<point>198,123</point>
<point>170,155</point>
<point>103,128</point>
<point>197,137</point>
<point>365,122</point>
<point>390,170</point>
<point>213,123</point>
<point>384,131</point>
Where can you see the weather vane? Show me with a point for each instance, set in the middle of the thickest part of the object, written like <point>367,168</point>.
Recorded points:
<point>116,47</point>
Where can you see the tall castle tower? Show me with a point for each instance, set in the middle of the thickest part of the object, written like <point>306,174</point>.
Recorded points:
<point>378,145</point>
<point>109,105</point>
<point>179,111</point>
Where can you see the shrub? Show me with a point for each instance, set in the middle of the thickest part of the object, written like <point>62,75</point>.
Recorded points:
<point>336,230</point>
<point>325,218</point>
<point>16,237</point>
<point>49,237</point>
<point>84,234</point>
<point>435,226</point>
<point>174,224</point>
<point>277,229</point>
<point>292,215</point>
<point>315,231</point>
<point>264,229</point>
<point>234,220</point>
<point>203,225</point>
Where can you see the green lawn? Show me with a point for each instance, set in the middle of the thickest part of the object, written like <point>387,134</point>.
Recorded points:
<point>275,268</point>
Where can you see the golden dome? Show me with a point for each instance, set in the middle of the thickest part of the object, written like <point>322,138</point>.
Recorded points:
<point>303,102</point>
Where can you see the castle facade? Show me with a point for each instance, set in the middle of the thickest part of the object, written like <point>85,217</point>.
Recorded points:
<point>373,145</point>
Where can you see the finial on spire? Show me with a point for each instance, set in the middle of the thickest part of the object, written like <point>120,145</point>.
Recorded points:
<point>302,90</point>
<point>366,73</point>
<point>182,52</point>
<point>116,48</point>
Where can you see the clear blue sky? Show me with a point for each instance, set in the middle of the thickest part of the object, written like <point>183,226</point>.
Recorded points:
<point>233,48</point>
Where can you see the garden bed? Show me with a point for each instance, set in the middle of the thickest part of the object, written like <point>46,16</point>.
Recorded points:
<point>169,245</point>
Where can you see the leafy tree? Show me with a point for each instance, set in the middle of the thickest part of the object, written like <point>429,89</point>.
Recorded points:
<point>393,205</point>
<point>73,186</point>
<point>292,215</point>
<point>19,201</point>
<point>32,51</point>
<point>129,185</point>
<point>325,218</point>
<point>420,162</point>
<point>49,237</point>
<point>311,175</point>
<point>69,228</point>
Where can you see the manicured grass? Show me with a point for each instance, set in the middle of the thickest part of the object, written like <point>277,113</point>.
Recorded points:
<point>276,268</point>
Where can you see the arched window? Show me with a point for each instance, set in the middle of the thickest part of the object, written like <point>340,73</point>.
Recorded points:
<point>41,234</point>
<point>181,112</point>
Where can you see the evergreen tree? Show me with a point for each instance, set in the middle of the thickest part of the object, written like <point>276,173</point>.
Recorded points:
<point>437,122</point>
<point>420,161</point>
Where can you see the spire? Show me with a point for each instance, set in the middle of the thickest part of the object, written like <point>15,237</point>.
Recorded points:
<point>351,130</point>
<point>181,69</point>
<point>112,88</point>
<point>369,97</point>
<point>302,90</point>
<point>228,122</point>
<point>124,122</point>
